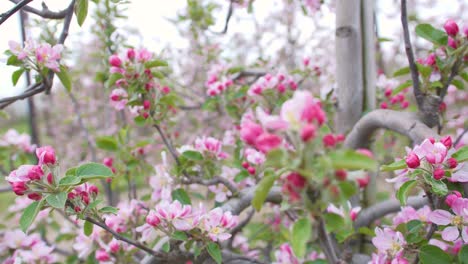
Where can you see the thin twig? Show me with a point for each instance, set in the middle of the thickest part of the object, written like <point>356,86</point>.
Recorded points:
<point>213,181</point>
<point>228,17</point>
<point>12,11</point>
<point>409,54</point>
<point>453,73</point>
<point>459,138</point>
<point>122,238</point>
<point>45,12</point>
<point>325,241</point>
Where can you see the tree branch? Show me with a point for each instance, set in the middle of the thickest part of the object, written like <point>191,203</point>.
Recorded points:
<point>12,11</point>
<point>409,54</point>
<point>45,12</point>
<point>239,204</point>
<point>367,216</point>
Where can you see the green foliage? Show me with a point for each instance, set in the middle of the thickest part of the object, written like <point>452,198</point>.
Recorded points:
<point>29,214</point>
<point>432,34</point>
<point>57,200</point>
<point>351,160</point>
<point>263,189</point>
<point>107,143</point>
<point>429,254</point>
<point>88,228</point>
<point>397,165</point>
<point>215,252</point>
<point>81,11</point>
<point>181,196</point>
<point>402,193</point>
<point>461,155</point>
<point>301,233</point>
<point>64,78</point>
<point>93,170</point>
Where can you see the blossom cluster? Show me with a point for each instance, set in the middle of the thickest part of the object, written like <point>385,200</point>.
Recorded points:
<point>21,248</point>
<point>37,56</point>
<point>20,141</point>
<point>29,179</point>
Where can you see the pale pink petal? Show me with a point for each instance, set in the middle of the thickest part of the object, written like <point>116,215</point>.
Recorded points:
<point>450,233</point>
<point>440,217</point>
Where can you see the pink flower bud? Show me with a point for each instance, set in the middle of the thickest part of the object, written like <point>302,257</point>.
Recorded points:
<point>93,189</point>
<point>388,92</point>
<point>108,161</point>
<point>447,141</point>
<point>452,163</point>
<point>363,182</point>
<point>341,175</point>
<point>146,104</point>
<point>77,209</point>
<point>102,255</point>
<point>452,43</point>
<point>251,170</point>
<point>306,61</point>
<point>281,88</point>
<point>384,105</point>
<point>293,85</point>
<point>438,174</point>
<point>431,59</point>
<point>114,246</point>
<point>245,165</point>
<point>35,173</point>
<point>46,155</point>
<point>451,198</point>
<point>19,188</point>
<point>131,54</point>
<point>152,219</point>
<point>329,140</point>
<point>442,107</point>
<point>115,61</point>
<point>35,196</point>
<point>404,104</point>
<point>145,115</point>
<point>296,180</point>
<point>50,178</point>
<point>166,90</point>
<point>353,213</point>
<point>308,132</point>
<point>451,27</point>
<point>412,160</point>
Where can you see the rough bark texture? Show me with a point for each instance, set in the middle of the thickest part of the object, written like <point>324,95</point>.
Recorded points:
<point>348,63</point>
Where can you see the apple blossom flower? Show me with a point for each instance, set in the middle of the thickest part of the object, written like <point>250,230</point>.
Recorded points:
<point>49,56</point>
<point>457,222</point>
<point>118,98</point>
<point>210,145</point>
<point>115,61</point>
<point>175,213</point>
<point>285,255</point>
<point>434,152</point>
<point>216,223</point>
<point>389,242</point>
<point>46,155</point>
<point>412,160</point>
<point>254,157</point>
<point>451,27</point>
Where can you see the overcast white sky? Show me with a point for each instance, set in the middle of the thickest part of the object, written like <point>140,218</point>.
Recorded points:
<point>149,17</point>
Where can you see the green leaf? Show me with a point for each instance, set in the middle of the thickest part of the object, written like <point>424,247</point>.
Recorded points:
<point>179,235</point>
<point>166,247</point>
<point>215,252</point>
<point>71,172</point>
<point>64,78</point>
<point>463,255</point>
<point>429,254</point>
<point>276,158</point>
<point>461,155</point>
<point>425,71</point>
<point>193,155</point>
<point>459,84</point>
<point>402,86</point>
<point>156,63</point>
<point>109,210</point>
<point>14,61</point>
<point>29,214</point>
<point>81,11</point>
<point>181,196</point>
<point>140,121</point>
<point>402,71</point>
<point>402,193</point>
<point>301,232</point>
<point>333,221</point>
<point>263,189</point>
<point>16,75</point>
<point>69,181</point>
<point>88,228</point>
<point>93,170</point>
<point>438,186</point>
<point>352,160</point>
<point>348,189</point>
<point>397,165</point>
<point>414,226</point>
<point>107,143</point>
<point>241,175</point>
<point>57,200</point>
<point>432,34</point>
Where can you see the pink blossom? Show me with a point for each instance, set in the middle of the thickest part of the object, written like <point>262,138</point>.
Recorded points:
<point>210,145</point>
<point>388,241</point>
<point>15,139</point>
<point>118,98</point>
<point>115,61</point>
<point>272,122</point>
<point>461,173</point>
<point>17,50</point>
<point>455,221</point>
<point>46,155</point>
<point>254,157</point>
<point>412,160</point>
<point>176,213</point>
<point>250,131</point>
<point>143,55</point>
<point>216,223</point>
<point>266,142</point>
<point>102,255</point>
<point>300,109</point>
<point>285,255</point>
<point>434,152</point>
<point>49,56</point>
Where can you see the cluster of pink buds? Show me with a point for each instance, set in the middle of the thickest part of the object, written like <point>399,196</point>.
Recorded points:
<point>452,30</point>
<point>41,55</point>
<point>314,69</point>
<point>82,195</point>
<point>397,101</point>
<point>278,82</point>
<point>331,140</point>
<point>29,179</point>
<point>294,183</point>
<point>435,154</point>
<point>134,76</point>
<point>218,80</point>
<point>109,162</point>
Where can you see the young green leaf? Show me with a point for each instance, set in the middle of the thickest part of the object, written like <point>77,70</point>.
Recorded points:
<point>429,254</point>
<point>69,181</point>
<point>463,255</point>
<point>81,11</point>
<point>263,189</point>
<point>57,200</point>
<point>432,34</point>
<point>29,214</point>
<point>109,210</point>
<point>352,160</point>
<point>93,170</point>
<point>107,143</point>
<point>301,233</point>
<point>193,155</point>
<point>64,78</point>
<point>215,252</point>
<point>401,71</point>
<point>16,75</point>
<point>461,155</point>
<point>402,193</point>
<point>156,63</point>
<point>181,196</point>
<point>88,228</point>
<point>397,165</point>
